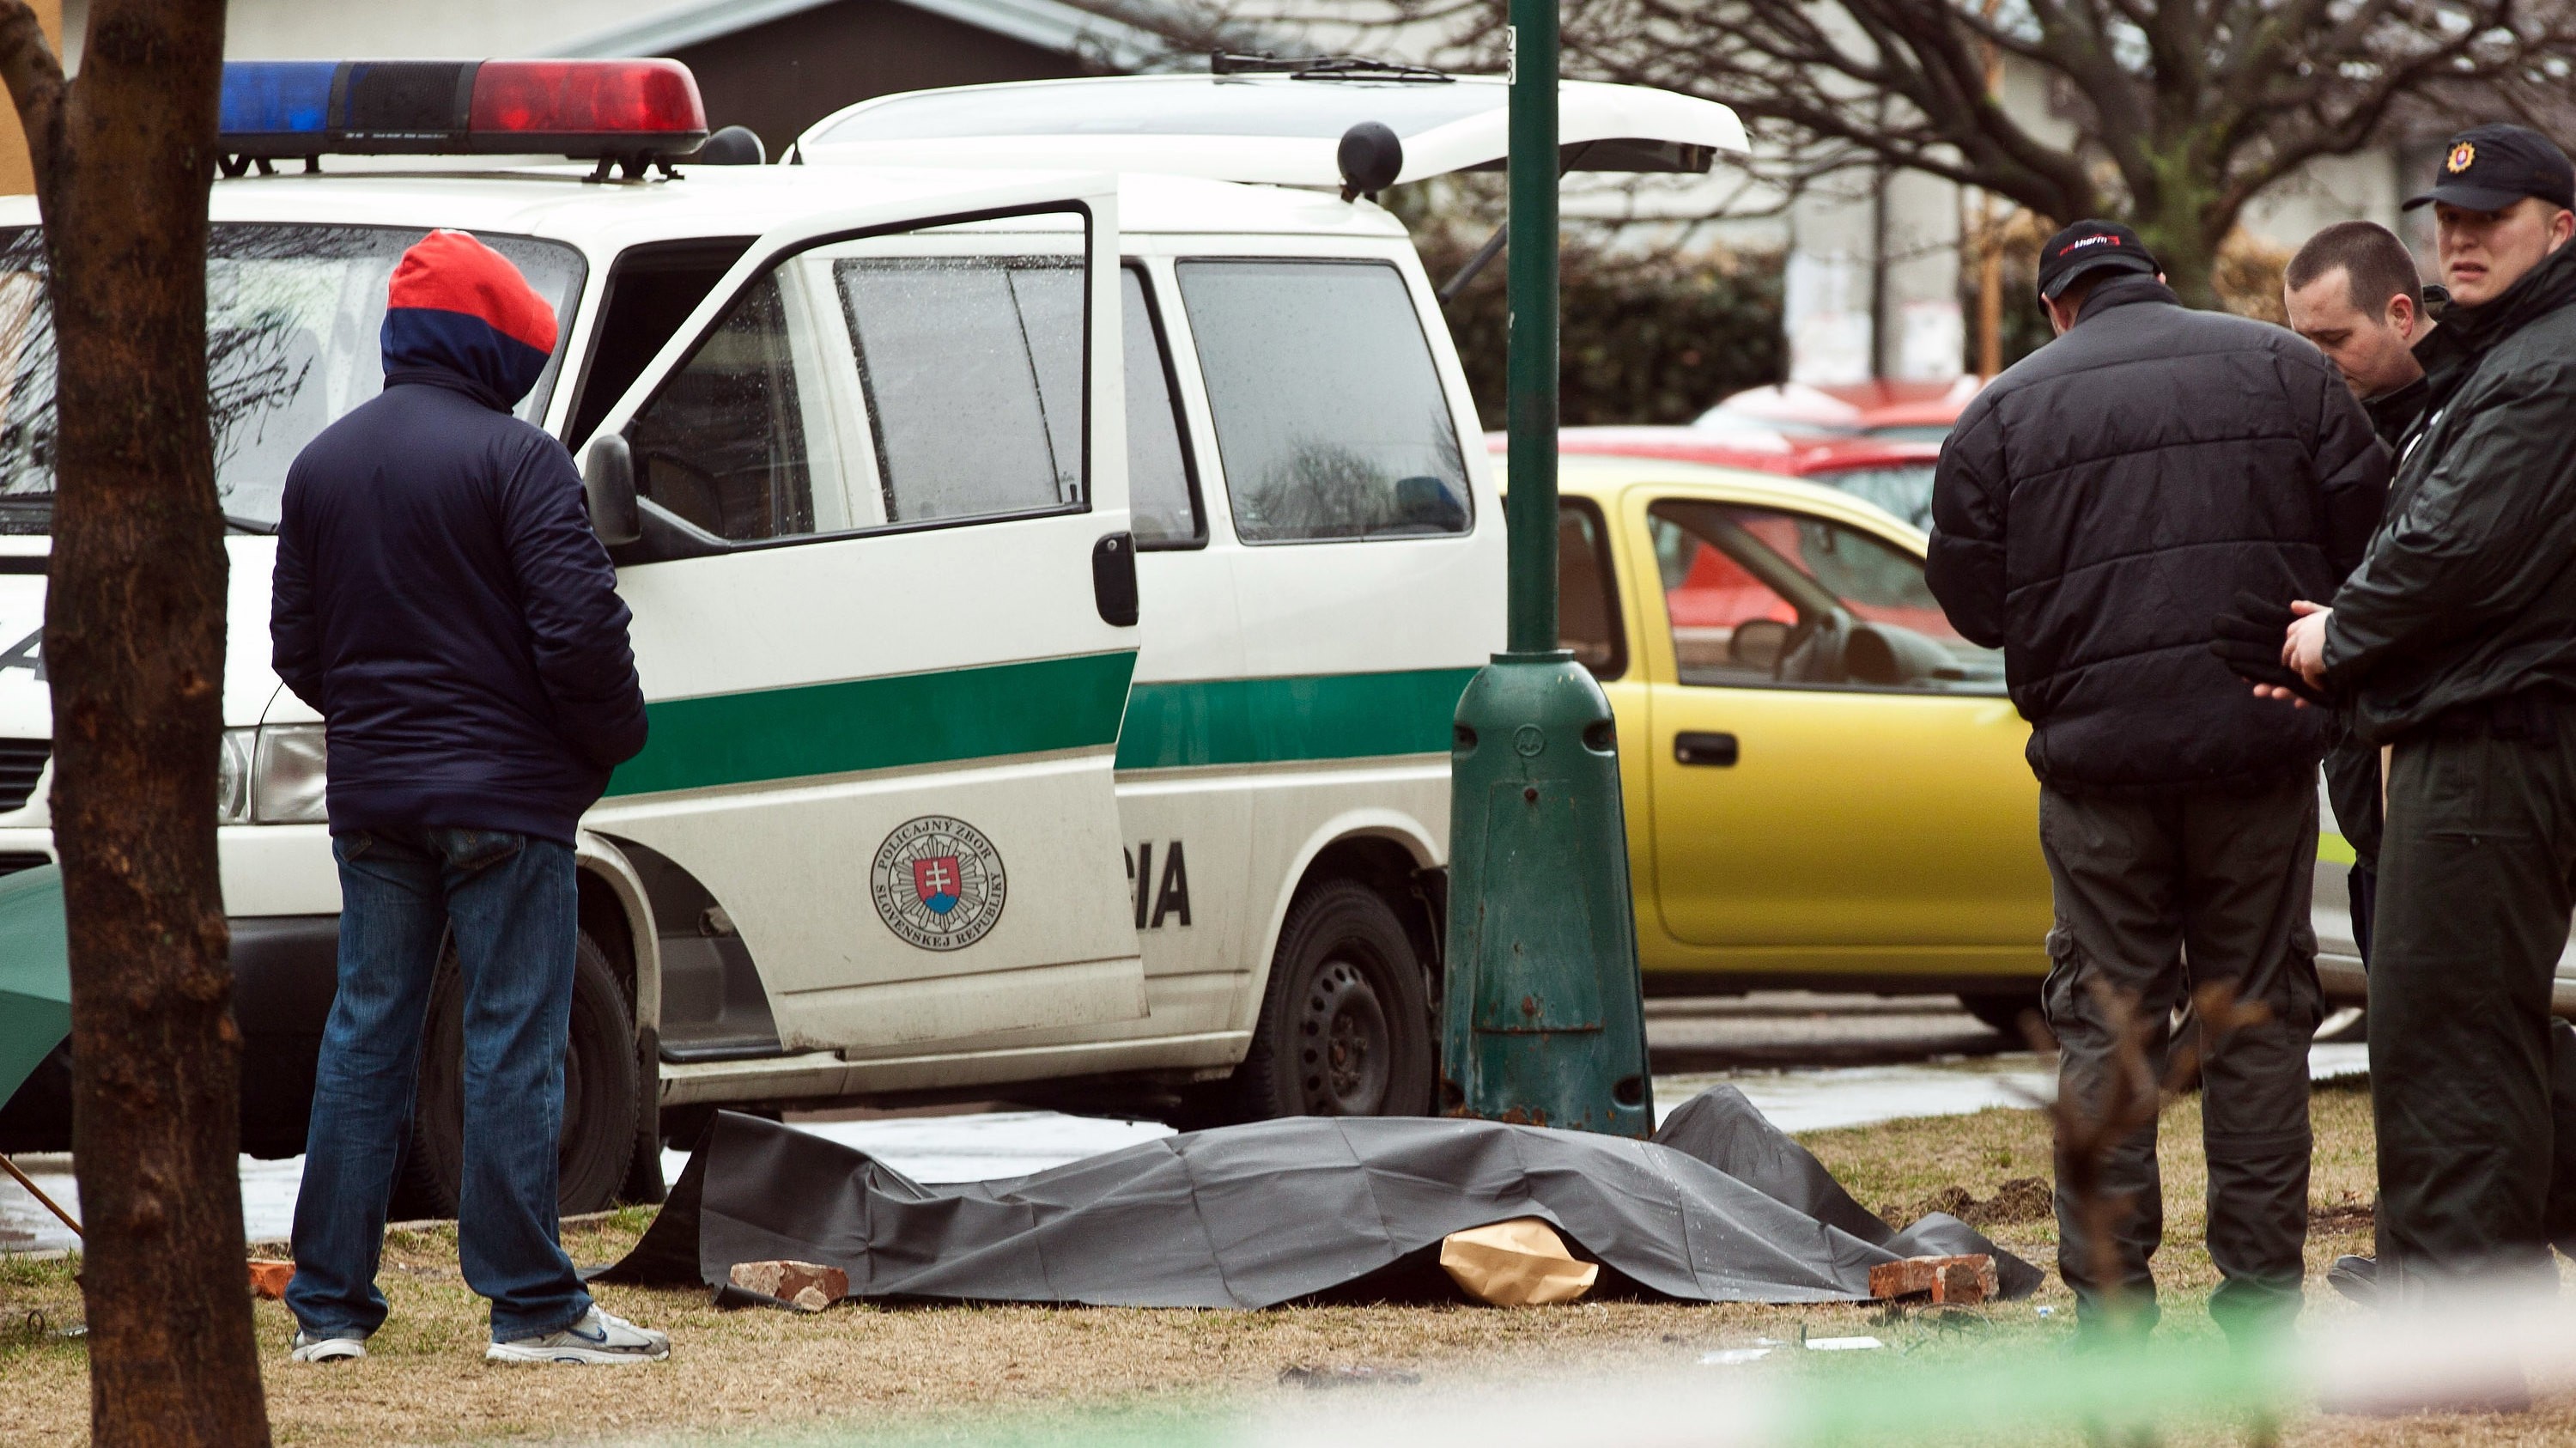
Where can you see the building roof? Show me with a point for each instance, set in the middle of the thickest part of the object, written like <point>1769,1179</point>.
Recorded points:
<point>1048,24</point>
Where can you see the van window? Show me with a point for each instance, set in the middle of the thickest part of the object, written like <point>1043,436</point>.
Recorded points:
<point>1330,418</point>
<point>652,290</point>
<point>882,381</point>
<point>1162,499</point>
<point>723,443</point>
<point>972,367</point>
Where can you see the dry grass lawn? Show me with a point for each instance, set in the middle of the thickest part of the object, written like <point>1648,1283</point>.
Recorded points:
<point>953,1372</point>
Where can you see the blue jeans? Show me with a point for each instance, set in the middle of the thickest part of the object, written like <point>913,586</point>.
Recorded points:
<point>511,902</point>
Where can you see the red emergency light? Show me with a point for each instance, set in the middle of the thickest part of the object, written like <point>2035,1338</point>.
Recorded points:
<point>634,111</point>
<point>603,102</point>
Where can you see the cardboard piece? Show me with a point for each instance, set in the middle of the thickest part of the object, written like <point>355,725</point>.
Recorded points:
<point>805,1286</point>
<point>1519,1263</point>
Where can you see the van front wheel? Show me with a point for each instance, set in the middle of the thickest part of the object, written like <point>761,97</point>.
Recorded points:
<point>598,1136</point>
<point>1345,1029</point>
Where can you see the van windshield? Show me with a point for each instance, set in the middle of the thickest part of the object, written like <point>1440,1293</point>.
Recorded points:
<point>293,313</point>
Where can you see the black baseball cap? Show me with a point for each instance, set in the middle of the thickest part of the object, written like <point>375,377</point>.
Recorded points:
<point>2488,168</point>
<point>2090,246</point>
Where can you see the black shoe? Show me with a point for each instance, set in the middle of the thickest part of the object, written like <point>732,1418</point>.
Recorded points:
<point>2357,1278</point>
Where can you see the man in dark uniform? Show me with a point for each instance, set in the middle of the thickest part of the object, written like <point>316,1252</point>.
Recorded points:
<point>2455,642</point>
<point>2094,508</point>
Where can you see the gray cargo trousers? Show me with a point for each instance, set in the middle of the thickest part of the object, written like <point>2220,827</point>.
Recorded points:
<point>2157,896</point>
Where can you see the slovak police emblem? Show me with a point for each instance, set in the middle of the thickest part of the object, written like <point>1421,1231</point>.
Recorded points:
<point>938,883</point>
<point>2461,158</point>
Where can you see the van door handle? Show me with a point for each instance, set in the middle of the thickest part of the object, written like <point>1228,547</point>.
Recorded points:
<point>1718,749</point>
<point>1113,579</point>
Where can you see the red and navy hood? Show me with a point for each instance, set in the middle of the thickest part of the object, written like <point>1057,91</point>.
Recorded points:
<point>458,314</point>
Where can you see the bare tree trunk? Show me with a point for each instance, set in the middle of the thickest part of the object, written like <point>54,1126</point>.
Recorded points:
<point>134,634</point>
<point>2185,242</point>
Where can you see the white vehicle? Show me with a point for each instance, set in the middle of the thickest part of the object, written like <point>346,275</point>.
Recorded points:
<point>948,791</point>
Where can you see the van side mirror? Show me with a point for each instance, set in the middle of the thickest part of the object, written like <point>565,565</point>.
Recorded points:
<point>608,482</point>
<point>1757,643</point>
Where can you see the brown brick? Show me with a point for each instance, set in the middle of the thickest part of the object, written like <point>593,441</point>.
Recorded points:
<point>1957,1280</point>
<point>808,1286</point>
<point>1963,1281</point>
<point>268,1279</point>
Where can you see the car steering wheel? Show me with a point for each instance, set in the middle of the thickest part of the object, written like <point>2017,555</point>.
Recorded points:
<point>1813,652</point>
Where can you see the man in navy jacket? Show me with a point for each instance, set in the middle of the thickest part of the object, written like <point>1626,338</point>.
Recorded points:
<point>441,599</point>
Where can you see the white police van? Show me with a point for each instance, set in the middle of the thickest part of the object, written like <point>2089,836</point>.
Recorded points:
<point>948,791</point>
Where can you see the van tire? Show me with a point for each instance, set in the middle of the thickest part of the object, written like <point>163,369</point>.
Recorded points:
<point>1345,1027</point>
<point>601,1097</point>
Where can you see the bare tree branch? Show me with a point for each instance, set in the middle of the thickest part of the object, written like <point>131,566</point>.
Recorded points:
<point>2182,111</point>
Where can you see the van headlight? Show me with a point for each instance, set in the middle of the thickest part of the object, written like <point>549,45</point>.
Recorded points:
<point>272,775</point>
<point>232,776</point>
<point>286,776</point>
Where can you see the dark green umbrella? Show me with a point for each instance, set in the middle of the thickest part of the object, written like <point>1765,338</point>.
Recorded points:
<point>35,973</point>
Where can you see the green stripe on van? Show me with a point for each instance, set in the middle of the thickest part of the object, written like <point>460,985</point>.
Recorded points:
<point>888,723</point>
<point>1268,721</point>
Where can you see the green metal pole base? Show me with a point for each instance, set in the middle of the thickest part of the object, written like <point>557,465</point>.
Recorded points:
<point>1545,1024</point>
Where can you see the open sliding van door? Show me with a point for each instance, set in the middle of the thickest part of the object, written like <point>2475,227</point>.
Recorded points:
<point>885,617</point>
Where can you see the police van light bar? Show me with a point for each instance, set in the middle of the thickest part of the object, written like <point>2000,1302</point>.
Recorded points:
<point>625,109</point>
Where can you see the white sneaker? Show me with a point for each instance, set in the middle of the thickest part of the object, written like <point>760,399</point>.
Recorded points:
<point>601,1337</point>
<point>310,1349</point>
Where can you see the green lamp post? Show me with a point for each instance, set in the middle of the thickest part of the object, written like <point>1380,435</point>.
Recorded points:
<point>1544,1021</point>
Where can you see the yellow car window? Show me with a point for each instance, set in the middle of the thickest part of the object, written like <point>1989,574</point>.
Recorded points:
<point>1767,596</point>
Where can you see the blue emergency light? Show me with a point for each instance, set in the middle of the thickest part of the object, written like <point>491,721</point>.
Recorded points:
<point>624,110</point>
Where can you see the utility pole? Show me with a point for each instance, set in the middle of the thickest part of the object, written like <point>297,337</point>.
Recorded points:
<point>1879,365</point>
<point>1990,287</point>
<point>1990,252</point>
<point>1544,1020</point>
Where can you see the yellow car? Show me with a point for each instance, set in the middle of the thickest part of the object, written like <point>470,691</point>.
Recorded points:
<point>1825,785</point>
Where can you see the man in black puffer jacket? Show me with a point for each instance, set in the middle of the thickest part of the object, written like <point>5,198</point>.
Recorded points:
<point>2096,507</point>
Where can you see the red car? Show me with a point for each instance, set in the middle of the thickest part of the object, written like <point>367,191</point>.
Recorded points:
<point>1886,408</point>
<point>1893,473</point>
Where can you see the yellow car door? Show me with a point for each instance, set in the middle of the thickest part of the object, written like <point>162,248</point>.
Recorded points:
<point>1836,777</point>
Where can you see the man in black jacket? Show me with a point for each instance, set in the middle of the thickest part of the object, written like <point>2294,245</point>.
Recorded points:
<point>441,600</point>
<point>2455,642</point>
<point>2095,508</point>
<point>2352,289</point>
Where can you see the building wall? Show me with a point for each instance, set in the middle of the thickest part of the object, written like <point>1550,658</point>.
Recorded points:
<point>782,77</point>
<point>1845,323</point>
<point>2360,187</point>
<point>17,174</point>
<point>426,29</point>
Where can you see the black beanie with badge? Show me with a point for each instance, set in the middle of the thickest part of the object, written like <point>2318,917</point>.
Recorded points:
<point>2488,168</point>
